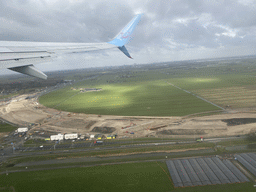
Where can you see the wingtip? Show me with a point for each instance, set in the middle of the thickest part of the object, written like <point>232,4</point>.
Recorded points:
<point>124,36</point>
<point>124,50</point>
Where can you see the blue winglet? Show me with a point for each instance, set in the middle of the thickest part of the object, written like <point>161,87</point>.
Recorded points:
<point>124,50</point>
<point>124,36</point>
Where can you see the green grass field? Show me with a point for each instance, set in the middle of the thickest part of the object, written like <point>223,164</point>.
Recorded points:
<point>224,85</point>
<point>139,97</point>
<point>124,177</point>
<point>236,90</point>
<point>4,127</point>
<point>150,176</point>
<point>148,93</point>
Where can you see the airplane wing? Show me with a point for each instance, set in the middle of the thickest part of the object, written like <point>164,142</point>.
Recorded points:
<point>20,56</point>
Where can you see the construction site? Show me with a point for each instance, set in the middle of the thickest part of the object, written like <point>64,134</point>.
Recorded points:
<point>25,110</point>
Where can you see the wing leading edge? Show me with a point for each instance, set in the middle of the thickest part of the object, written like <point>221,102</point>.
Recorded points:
<point>20,56</point>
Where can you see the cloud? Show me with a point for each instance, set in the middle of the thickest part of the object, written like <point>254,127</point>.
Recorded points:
<point>169,30</point>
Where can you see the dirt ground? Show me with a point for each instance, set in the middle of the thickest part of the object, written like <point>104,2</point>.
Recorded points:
<point>23,112</point>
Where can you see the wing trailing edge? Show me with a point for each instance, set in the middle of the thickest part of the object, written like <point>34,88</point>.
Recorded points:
<point>16,55</point>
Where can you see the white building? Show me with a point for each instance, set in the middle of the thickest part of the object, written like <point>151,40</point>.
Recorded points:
<point>71,136</point>
<point>91,136</point>
<point>22,130</point>
<point>56,137</point>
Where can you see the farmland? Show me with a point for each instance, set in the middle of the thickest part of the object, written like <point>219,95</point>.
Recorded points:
<point>151,90</point>
<point>146,176</point>
<point>231,84</point>
<point>237,91</point>
<point>140,96</point>
<point>149,93</point>
<point>124,177</point>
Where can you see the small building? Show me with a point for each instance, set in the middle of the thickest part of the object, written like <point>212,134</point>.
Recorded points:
<point>22,130</point>
<point>91,136</point>
<point>71,136</point>
<point>57,137</point>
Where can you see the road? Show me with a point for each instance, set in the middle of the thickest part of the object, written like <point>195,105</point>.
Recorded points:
<point>89,147</point>
<point>154,155</point>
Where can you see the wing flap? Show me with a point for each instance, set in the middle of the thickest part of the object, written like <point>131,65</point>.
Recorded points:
<point>16,62</point>
<point>20,55</point>
<point>29,70</point>
<point>16,56</point>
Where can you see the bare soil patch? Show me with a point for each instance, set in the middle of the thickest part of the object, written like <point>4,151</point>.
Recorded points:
<point>89,124</point>
<point>25,111</point>
<point>3,134</point>
<point>239,121</point>
<point>156,128</point>
<point>103,129</point>
<point>72,123</point>
<point>183,132</point>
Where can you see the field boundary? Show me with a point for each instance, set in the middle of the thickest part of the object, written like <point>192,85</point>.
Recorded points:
<point>165,173</point>
<point>195,114</point>
<point>197,96</point>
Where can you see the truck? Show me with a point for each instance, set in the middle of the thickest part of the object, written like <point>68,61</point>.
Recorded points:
<point>98,142</point>
<point>201,139</point>
<point>109,137</point>
<point>71,136</point>
<point>56,137</point>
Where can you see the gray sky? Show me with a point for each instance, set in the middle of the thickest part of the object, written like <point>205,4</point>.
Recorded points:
<point>169,30</point>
